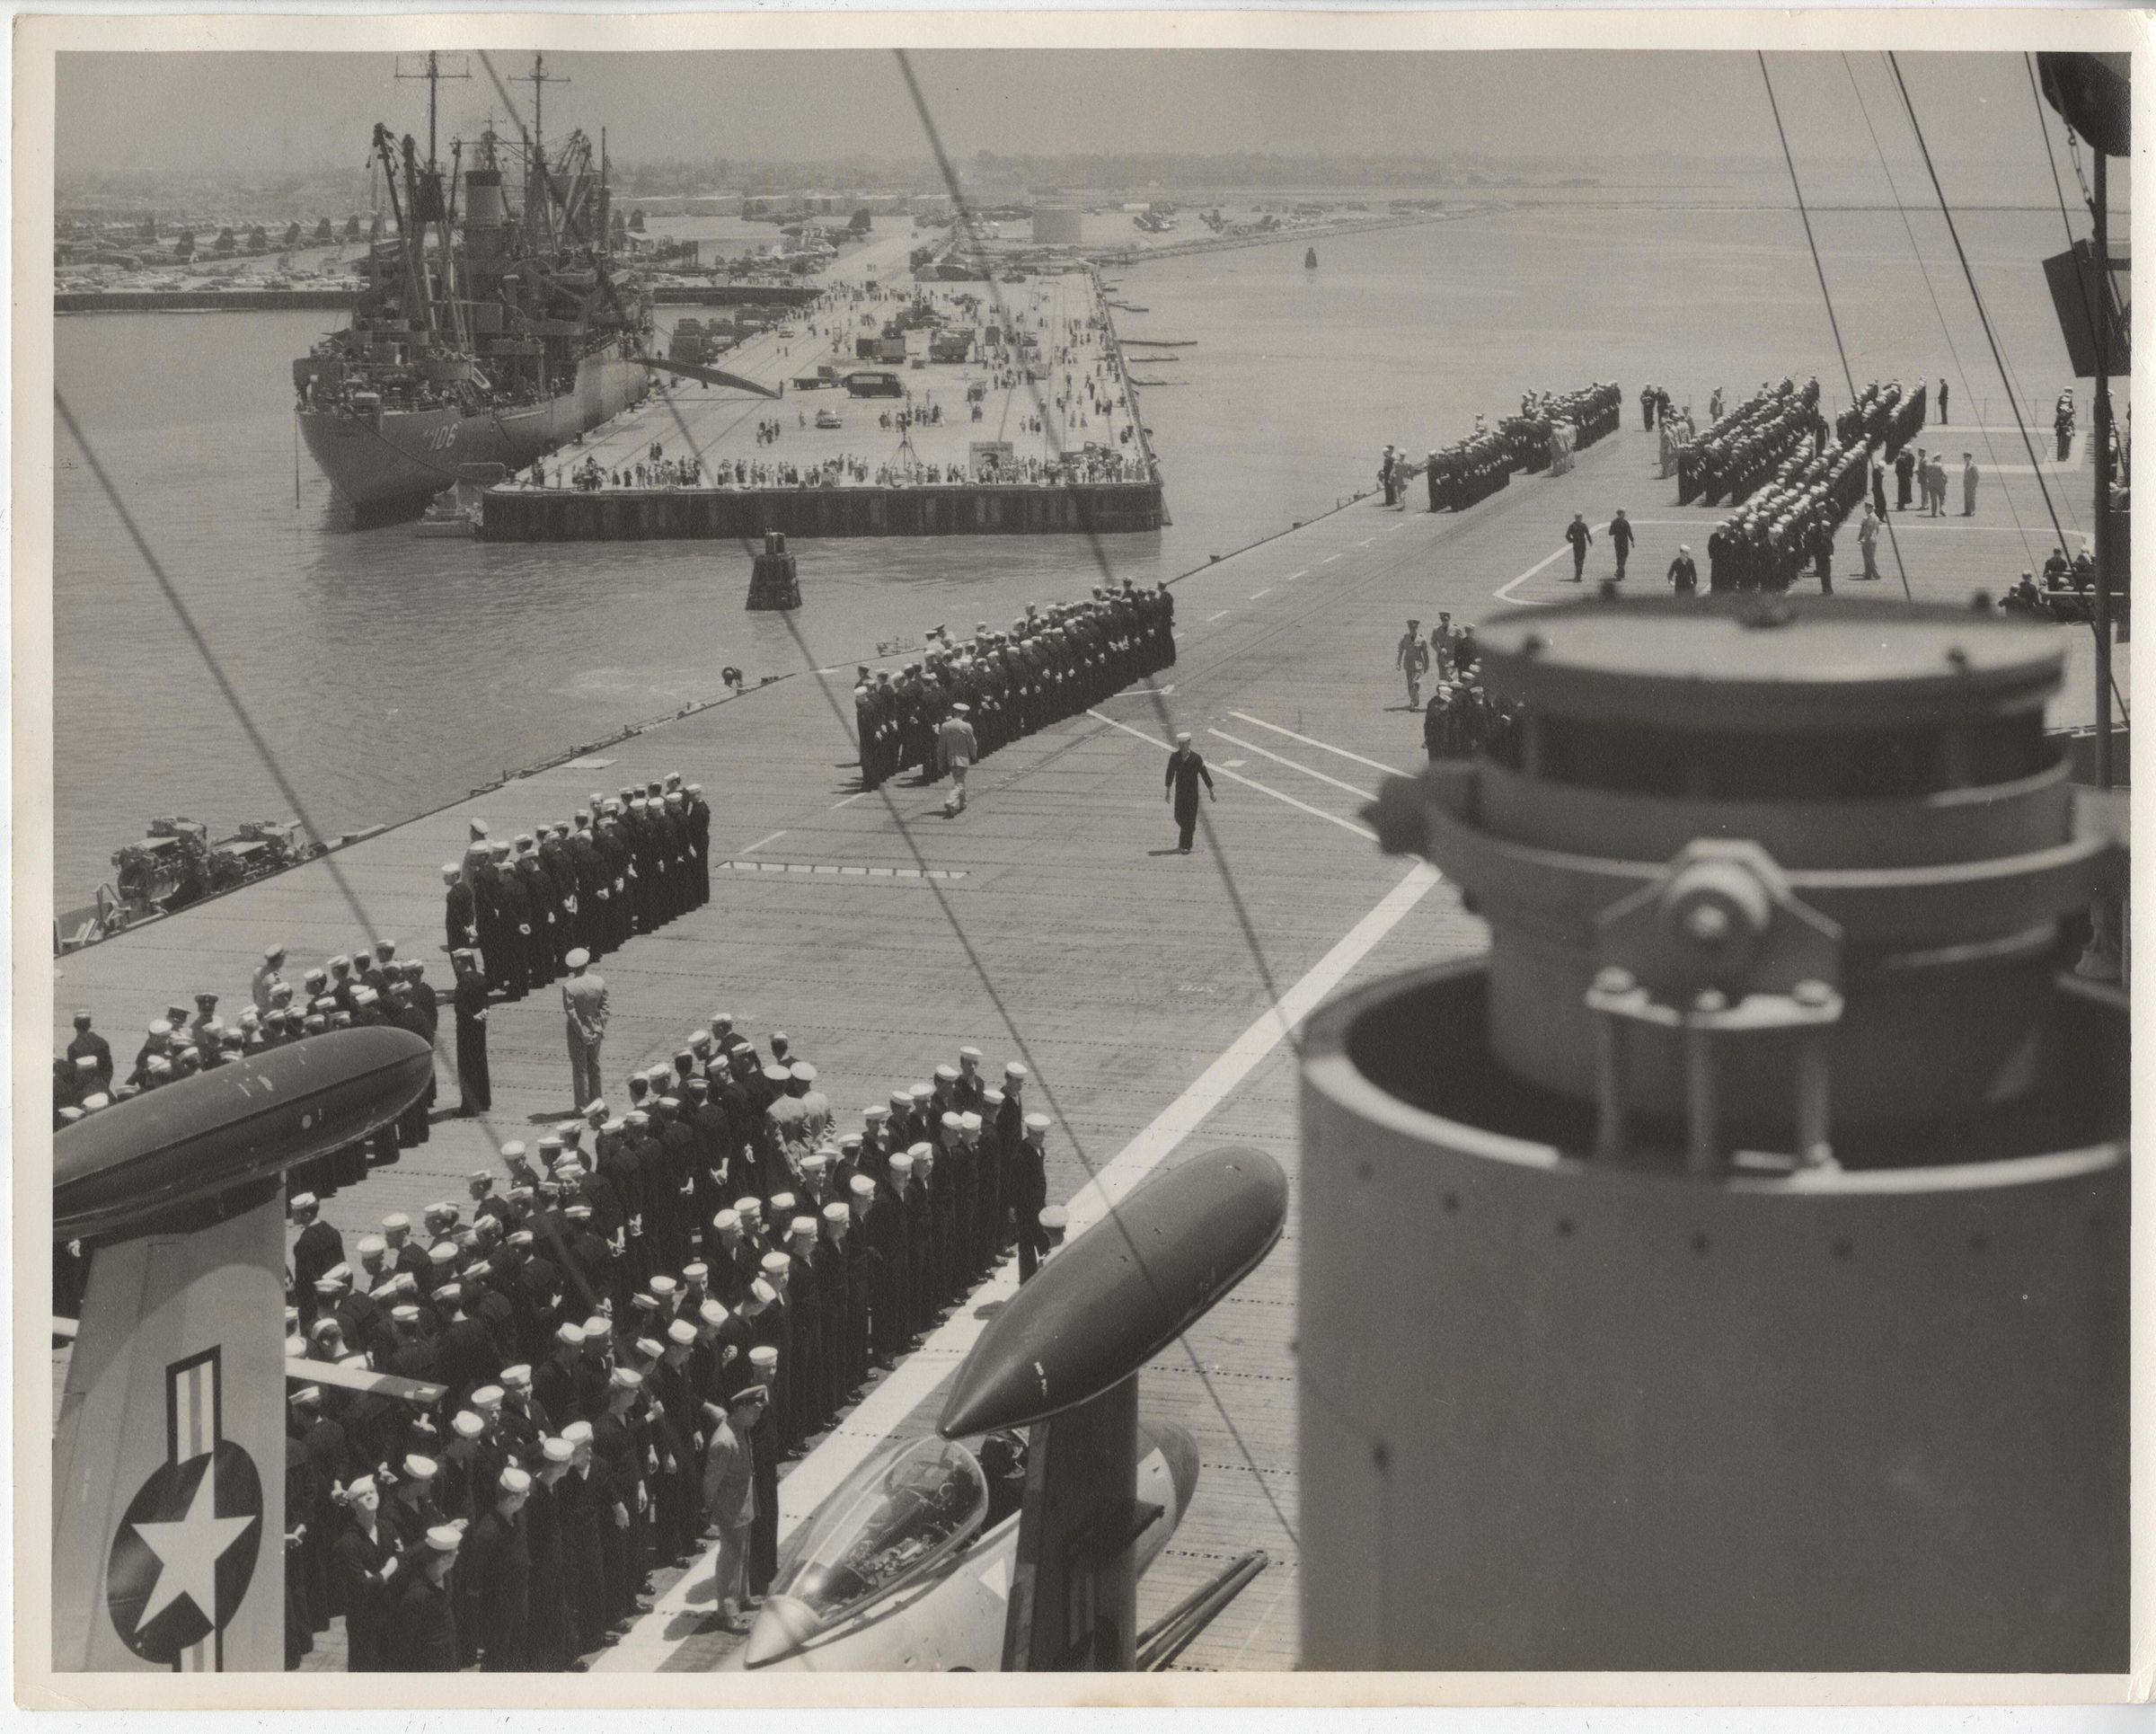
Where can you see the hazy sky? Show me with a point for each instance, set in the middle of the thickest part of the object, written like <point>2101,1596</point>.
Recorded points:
<point>253,113</point>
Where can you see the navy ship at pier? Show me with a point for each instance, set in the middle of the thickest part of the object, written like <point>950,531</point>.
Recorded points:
<point>484,335</point>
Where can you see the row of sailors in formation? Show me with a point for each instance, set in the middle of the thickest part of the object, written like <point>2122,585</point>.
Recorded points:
<point>1049,666</point>
<point>1470,470</point>
<point>517,1310</point>
<point>373,986</point>
<point>1886,414</point>
<point>624,865</point>
<point>1740,451</point>
<point>1594,410</point>
<point>668,1193</point>
<point>1790,524</point>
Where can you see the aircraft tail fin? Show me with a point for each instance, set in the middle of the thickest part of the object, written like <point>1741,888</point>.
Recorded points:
<point>169,1471</point>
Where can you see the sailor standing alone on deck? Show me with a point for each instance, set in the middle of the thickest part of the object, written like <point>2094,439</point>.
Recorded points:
<point>584,1004</point>
<point>1186,770</point>
<point>1412,658</point>
<point>957,748</point>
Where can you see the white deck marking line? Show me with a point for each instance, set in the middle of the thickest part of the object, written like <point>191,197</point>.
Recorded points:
<point>868,1427</point>
<point>1237,777</point>
<point>774,837</point>
<point>1253,746</point>
<point>1256,594</point>
<point>1505,593</point>
<point>1309,741</point>
<point>1327,560</point>
<point>1292,577</point>
<point>1211,618</point>
<point>1365,542</point>
<point>849,801</point>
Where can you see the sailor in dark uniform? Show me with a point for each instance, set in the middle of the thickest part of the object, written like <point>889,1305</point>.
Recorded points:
<point>424,1638</point>
<point>474,1083</point>
<point>498,1576</point>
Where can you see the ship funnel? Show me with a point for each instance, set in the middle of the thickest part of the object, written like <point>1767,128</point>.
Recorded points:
<point>1728,1270</point>
<point>483,206</point>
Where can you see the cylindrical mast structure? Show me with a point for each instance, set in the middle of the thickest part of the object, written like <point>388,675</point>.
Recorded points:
<point>1729,1271</point>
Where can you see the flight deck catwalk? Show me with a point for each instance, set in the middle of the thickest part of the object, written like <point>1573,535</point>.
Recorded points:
<point>1765,1185</point>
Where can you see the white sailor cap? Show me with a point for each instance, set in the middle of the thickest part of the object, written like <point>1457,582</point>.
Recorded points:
<point>863,1187</point>
<point>948,1074</point>
<point>1038,1122</point>
<point>838,1212</point>
<point>681,1332</point>
<point>1017,1069</point>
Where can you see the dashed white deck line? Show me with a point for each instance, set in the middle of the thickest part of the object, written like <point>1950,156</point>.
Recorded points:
<point>1292,577</point>
<point>849,801</point>
<point>1211,618</point>
<point>1253,746</point>
<point>1250,782</point>
<point>1328,560</point>
<point>1503,593</point>
<point>1365,542</point>
<point>1256,594</point>
<point>760,842</point>
<point>647,1645</point>
<point>1309,741</point>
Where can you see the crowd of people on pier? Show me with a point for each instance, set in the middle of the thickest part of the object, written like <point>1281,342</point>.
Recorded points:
<point>711,1267</point>
<point>1052,664</point>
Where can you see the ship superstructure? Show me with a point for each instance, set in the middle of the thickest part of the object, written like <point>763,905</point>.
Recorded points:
<point>489,330</point>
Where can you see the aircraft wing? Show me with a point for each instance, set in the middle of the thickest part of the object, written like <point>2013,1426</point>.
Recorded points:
<point>710,375</point>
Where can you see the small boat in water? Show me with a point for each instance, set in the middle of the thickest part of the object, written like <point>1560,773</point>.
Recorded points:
<point>446,515</point>
<point>1309,259</point>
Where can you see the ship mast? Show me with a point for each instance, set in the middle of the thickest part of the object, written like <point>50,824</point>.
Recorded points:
<point>539,78</point>
<point>434,75</point>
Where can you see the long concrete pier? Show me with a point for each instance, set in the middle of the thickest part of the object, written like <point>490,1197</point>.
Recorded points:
<point>1155,996</point>
<point>989,449</point>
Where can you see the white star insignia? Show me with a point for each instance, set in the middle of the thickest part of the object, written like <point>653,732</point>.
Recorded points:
<point>188,1551</point>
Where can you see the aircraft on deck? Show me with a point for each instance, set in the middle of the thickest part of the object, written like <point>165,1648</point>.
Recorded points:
<point>971,1551</point>
<point>169,1449</point>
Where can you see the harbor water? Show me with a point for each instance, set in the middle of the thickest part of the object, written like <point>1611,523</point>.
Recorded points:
<point>391,673</point>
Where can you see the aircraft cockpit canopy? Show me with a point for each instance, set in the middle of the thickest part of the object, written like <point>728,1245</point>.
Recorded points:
<point>902,1512</point>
